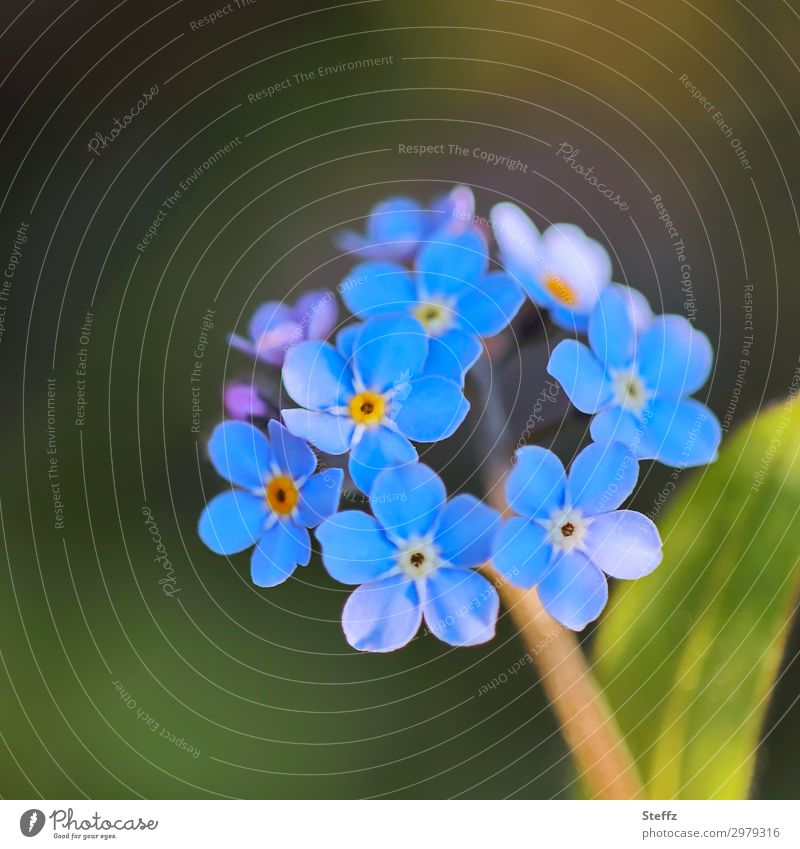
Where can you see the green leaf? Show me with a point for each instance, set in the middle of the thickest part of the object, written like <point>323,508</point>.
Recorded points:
<point>688,656</point>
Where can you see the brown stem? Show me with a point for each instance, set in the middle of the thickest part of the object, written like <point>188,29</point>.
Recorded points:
<point>588,725</point>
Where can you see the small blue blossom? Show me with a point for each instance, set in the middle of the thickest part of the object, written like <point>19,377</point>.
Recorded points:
<point>569,533</point>
<point>416,558</point>
<point>397,227</point>
<point>275,326</point>
<point>276,498</point>
<point>450,292</point>
<point>374,402</point>
<point>561,269</point>
<point>637,383</point>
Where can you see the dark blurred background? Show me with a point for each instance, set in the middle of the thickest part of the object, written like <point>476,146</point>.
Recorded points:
<point>111,688</point>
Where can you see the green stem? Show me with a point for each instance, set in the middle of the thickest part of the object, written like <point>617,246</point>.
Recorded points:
<point>598,749</point>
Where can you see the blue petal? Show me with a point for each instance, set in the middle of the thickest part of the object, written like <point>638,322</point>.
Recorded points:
<point>330,433</point>
<point>536,485</point>
<point>397,220</point>
<point>355,550</point>
<point>574,592</point>
<point>407,500</point>
<point>433,409</point>
<point>624,544</point>
<point>466,530</point>
<point>601,477</point>
<point>674,358</point>
<point>452,354</point>
<point>460,606</point>
<point>681,433</point>
<point>240,453</point>
<point>375,288</point>
<point>617,424</point>
<point>382,616</point>
<point>452,262</point>
<point>611,330</point>
<point>316,376</point>
<point>521,552</point>
<point>378,449</point>
<point>488,307</point>
<point>232,521</point>
<point>346,338</point>
<point>291,454</point>
<point>319,497</point>
<point>570,320</point>
<point>575,367</point>
<point>388,351</point>
<point>268,316</point>
<point>278,553</point>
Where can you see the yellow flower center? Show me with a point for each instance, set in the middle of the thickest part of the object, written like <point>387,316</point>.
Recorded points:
<point>434,317</point>
<point>282,495</point>
<point>560,290</point>
<point>367,408</point>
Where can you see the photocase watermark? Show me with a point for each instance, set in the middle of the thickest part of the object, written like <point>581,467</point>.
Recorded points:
<point>82,368</point>
<point>206,326</point>
<point>497,160</point>
<point>547,395</point>
<point>10,272</point>
<point>569,155</point>
<point>172,200</point>
<point>744,359</point>
<point>523,661</point>
<point>788,411</point>
<point>53,468</point>
<point>719,119</point>
<point>152,723</point>
<point>679,248</point>
<point>168,581</point>
<point>318,73</point>
<point>218,14</point>
<point>101,141</point>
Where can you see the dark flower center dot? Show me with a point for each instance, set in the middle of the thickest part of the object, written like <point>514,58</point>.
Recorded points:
<point>431,313</point>
<point>367,408</point>
<point>417,559</point>
<point>568,529</point>
<point>280,496</point>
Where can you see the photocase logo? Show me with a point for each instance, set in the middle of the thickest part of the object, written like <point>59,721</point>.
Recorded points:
<point>31,822</point>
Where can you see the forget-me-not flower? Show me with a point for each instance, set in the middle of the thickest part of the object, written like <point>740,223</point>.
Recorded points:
<point>561,269</point>
<point>415,558</point>
<point>569,534</point>
<point>276,498</point>
<point>275,327</point>
<point>450,292</point>
<point>638,384</point>
<point>397,227</point>
<point>375,402</point>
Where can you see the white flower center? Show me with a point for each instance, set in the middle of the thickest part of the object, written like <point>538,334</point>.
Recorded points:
<point>630,391</point>
<point>418,558</point>
<point>566,528</point>
<point>435,315</point>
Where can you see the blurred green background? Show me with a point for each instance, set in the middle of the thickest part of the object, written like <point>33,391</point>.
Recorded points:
<point>261,682</point>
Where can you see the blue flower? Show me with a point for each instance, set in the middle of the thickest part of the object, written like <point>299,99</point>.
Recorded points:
<point>398,226</point>
<point>276,498</point>
<point>638,383</point>
<point>275,327</point>
<point>450,292</point>
<point>414,559</point>
<point>569,534</point>
<point>561,269</point>
<point>375,402</point>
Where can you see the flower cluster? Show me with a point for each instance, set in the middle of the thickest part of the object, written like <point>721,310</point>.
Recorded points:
<point>424,296</point>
